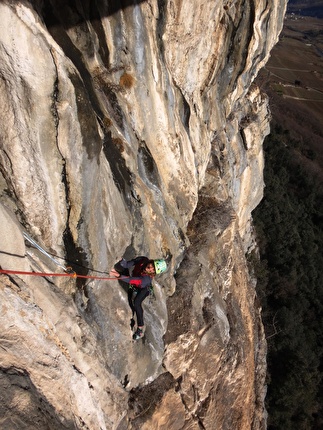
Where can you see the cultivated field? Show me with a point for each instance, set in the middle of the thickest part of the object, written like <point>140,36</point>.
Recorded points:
<point>293,79</point>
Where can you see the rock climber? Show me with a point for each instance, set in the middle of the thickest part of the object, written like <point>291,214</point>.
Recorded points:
<point>138,273</point>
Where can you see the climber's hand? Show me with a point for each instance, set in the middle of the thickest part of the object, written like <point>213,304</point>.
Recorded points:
<point>115,273</point>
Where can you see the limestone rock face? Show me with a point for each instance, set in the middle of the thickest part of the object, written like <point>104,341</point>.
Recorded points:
<point>131,128</point>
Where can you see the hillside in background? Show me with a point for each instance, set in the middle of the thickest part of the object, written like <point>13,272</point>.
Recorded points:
<point>289,223</point>
<point>306,7</point>
<point>293,80</point>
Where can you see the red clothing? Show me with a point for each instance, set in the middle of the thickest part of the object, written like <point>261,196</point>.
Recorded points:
<point>141,280</point>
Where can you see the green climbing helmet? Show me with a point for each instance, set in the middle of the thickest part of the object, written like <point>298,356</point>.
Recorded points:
<point>160,266</point>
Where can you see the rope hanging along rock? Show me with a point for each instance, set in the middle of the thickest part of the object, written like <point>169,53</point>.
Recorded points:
<point>35,244</point>
<point>68,270</point>
<point>69,275</point>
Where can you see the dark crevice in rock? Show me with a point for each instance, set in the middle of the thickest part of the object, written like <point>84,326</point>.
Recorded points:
<point>77,369</point>
<point>116,111</point>
<point>161,4</point>
<point>243,138</point>
<point>241,35</point>
<point>93,9</point>
<point>87,120</point>
<point>66,187</point>
<point>202,410</point>
<point>18,391</point>
<point>144,400</point>
<point>210,218</point>
<point>7,173</point>
<point>57,22</point>
<point>184,112</point>
<point>74,255</point>
<point>183,396</point>
<point>199,414</point>
<point>13,281</point>
<point>103,47</point>
<point>58,32</point>
<point>8,189</point>
<point>200,424</point>
<point>125,381</point>
<point>77,254</point>
<point>179,305</point>
<point>55,95</point>
<point>169,83</point>
<point>235,319</point>
<point>112,148</point>
<point>207,310</point>
<point>123,178</point>
<point>160,28</point>
<point>54,110</point>
<point>71,251</point>
<point>147,166</point>
<point>214,167</point>
<point>181,236</point>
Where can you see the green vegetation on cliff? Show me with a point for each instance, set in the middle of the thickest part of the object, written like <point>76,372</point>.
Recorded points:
<point>289,224</point>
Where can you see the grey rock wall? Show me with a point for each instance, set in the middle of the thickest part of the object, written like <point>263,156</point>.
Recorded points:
<point>132,128</point>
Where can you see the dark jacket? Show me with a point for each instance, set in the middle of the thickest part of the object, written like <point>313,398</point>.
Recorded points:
<point>135,267</point>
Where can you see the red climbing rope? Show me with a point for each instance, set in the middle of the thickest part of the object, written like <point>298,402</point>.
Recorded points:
<point>69,275</point>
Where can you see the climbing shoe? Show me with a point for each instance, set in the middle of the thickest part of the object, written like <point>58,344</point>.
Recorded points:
<point>138,334</point>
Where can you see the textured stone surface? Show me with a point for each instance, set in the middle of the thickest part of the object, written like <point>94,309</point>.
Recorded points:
<point>132,128</point>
